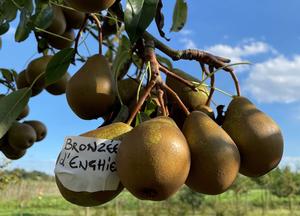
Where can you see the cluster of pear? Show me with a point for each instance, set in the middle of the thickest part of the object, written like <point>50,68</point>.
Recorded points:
<point>66,19</point>
<point>159,155</point>
<point>35,72</point>
<point>21,136</point>
<point>64,22</point>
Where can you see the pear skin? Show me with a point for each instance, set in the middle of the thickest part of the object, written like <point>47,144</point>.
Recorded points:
<point>215,158</point>
<point>59,87</point>
<point>62,43</point>
<point>58,24</point>
<point>91,91</point>
<point>90,6</point>
<point>35,70</point>
<point>189,97</point>
<point>257,136</point>
<point>153,160</point>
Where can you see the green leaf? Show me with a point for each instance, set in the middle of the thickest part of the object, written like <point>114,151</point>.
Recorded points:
<point>123,58</point>
<point>7,74</point>
<point>43,16</point>
<point>166,62</point>
<point>122,115</point>
<point>11,106</point>
<point>8,11</point>
<point>24,27</point>
<point>4,28</point>
<point>150,107</point>
<point>0,43</point>
<point>59,65</point>
<point>138,16</point>
<point>179,15</point>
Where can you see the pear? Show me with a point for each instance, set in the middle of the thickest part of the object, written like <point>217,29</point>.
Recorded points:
<point>22,82</point>
<point>177,114</point>
<point>114,131</point>
<point>40,129</point>
<point>91,91</point>
<point>256,135</point>
<point>90,6</point>
<point>21,136</point>
<point>207,110</point>
<point>128,90</point>
<point>58,24</point>
<point>35,70</point>
<point>61,43</point>
<point>189,97</point>
<point>215,159</point>
<point>24,113</point>
<point>11,153</point>
<point>74,18</point>
<point>153,160</point>
<point>59,87</point>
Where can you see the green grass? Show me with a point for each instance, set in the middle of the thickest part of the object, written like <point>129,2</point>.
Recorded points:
<point>43,198</point>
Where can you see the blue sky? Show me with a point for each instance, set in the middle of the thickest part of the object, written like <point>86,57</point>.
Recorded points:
<point>265,32</point>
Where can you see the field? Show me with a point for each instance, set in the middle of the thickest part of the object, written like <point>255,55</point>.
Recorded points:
<point>30,197</point>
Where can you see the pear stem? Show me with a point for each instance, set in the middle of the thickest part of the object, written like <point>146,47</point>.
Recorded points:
<point>82,27</point>
<point>177,77</point>
<point>212,82</point>
<point>100,38</point>
<point>162,102</point>
<point>179,101</point>
<point>141,101</point>
<point>236,82</point>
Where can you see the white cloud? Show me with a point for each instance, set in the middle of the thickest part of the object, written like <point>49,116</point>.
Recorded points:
<point>239,53</point>
<point>275,80</point>
<point>186,32</point>
<point>188,43</point>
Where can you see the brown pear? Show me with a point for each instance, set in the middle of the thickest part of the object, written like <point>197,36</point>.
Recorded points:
<point>23,83</point>
<point>207,110</point>
<point>40,129</point>
<point>115,131</point>
<point>153,159</point>
<point>65,41</point>
<point>215,159</point>
<point>35,70</point>
<point>24,113</point>
<point>74,18</point>
<point>59,87</point>
<point>58,24</point>
<point>21,136</point>
<point>91,91</point>
<point>90,6</point>
<point>128,90</point>
<point>189,97</point>
<point>256,135</point>
<point>11,153</point>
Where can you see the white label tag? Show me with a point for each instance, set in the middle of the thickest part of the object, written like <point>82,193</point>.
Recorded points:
<point>87,164</point>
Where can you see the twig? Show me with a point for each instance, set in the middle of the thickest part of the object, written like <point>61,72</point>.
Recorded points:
<point>236,83</point>
<point>161,101</point>
<point>190,54</point>
<point>212,82</point>
<point>179,101</point>
<point>175,76</point>
<point>80,32</point>
<point>97,21</point>
<point>141,101</point>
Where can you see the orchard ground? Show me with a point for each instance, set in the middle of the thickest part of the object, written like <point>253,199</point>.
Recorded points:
<point>40,196</point>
